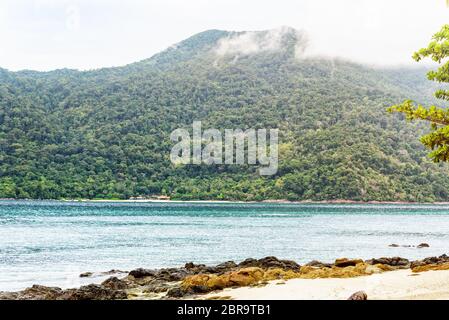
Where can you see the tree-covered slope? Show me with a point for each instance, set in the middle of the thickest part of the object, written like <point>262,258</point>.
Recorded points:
<point>105,133</point>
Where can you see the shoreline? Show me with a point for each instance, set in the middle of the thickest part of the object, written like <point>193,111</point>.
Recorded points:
<point>312,202</point>
<point>268,278</point>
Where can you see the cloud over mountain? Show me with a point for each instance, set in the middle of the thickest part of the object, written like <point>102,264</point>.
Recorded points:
<point>252,42</point>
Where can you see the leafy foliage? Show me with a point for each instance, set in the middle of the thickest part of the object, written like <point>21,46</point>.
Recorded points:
<point>438,139</point>
<point>105,133</point>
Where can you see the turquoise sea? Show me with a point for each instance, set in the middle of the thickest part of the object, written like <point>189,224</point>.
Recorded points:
<point>51,242</point>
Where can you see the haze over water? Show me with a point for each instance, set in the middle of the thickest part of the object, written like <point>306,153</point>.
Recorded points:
<point>51,243</point>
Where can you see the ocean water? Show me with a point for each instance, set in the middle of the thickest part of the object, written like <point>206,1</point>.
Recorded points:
<point>51,243</point>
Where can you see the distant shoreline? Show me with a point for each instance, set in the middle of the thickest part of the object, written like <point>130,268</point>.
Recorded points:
<point>339,201</point>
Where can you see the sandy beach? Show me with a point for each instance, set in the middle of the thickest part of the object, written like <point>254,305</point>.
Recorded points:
<point>394,285</point>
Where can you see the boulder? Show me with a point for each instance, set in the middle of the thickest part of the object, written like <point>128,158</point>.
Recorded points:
<point>115,284</point>
<point>344,262</point>
<point>172,274</point>
<point>423,245</point>
<point>431,260</point>
<point>360,269</point>
<point>37,292</point>
<point>398,262</point>
<point>190,267</point>
<point>177,292</point>
<point>378,268</point>
<point>9,295</point>
<point>157,287</point>
<point>319,264</point>
<point>245,277</point>
<point>86,274</point>
<point>210,282</point>
<point>431,267</point>
<point>93,292</point>
<point>278,273</point>
<point>359,295</point>
<point>269,262</point>
<point>90,292</point>
<point>142,273</point>
<point>226,266</point>
<point>250,262</point>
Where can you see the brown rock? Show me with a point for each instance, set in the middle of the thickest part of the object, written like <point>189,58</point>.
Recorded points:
<point>423,245</point>
<point>189,265</point>
<point>344,262</point>
<point>319,264</point>
<point>115,283</point>
<point>270,262</point>
<point>93,292</point>
<point>210,282</point>
<point>397,262</point>
<point>142,273</point>
<point>359,295</point>
<point>431,267</point>
<point>431,260</point>
<point>226,266</point>
<point>86,274</point>
<point>176,292</point>
<point>360,269</point>
<point>278,273</point>
<point>90,292</point>
<point>37,292</point>
<point>245,277</point>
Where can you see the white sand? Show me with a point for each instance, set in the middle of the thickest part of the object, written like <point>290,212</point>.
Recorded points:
<point>399,285</point>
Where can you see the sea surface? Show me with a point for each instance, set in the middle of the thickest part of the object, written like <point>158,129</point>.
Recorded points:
<point>51,242</point>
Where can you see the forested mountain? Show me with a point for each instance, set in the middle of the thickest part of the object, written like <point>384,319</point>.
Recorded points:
<point>106,133</point>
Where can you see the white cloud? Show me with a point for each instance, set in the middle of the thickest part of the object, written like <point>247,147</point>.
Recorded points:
<point>49,34</point>
<point>253,42</point>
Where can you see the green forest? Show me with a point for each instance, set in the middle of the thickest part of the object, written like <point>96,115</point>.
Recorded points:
<point>105,134</point>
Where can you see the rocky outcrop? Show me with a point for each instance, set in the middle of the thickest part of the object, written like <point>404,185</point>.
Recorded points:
<point>270,262</point>
<point>90,292</point>
<point>86,274</point>
<point>198,278</point>
<point>350,271</point>
<point>431,267</point>
<point>395,262</point>
<point>115,283</point>
<point>142,273</point>
<point>431,263</point>
<point>255,274</point>
<point>93,292</point>
<point>201,268</point>
<point>431,260</point>
<point>36,292</point>
<point>359,295</point>
<point>344,262</point>
<point>202,283</point>
<point>319,264</point>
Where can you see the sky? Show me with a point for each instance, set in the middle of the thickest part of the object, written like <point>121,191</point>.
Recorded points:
<point>88,34</point>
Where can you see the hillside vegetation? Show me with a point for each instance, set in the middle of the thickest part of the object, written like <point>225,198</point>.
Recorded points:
<point>106,133</point>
